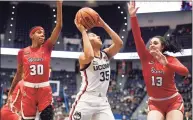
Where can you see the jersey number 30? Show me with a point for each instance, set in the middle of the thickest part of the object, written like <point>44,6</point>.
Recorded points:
<point>105,76</point>
<point>156,81</point>
<point>36,69</point>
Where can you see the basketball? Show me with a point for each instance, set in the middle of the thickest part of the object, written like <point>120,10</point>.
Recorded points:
<point>87,17</point>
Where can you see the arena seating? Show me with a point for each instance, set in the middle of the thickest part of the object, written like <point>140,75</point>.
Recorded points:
<point>125,101</point>
<point>183,34</point>
<point>147,33</point>
<point>184,86</point>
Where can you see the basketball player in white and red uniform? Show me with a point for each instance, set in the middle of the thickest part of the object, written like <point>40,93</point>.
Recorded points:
<point>91,102</point>
<point>34,62</point>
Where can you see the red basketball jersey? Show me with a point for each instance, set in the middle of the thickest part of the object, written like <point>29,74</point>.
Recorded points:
<point>36,62</point>
<point>159,79</point>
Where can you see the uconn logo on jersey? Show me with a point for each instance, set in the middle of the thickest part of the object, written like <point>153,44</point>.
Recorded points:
<point>99,67</point>
<point>35,59</point>
<point>153,70</point>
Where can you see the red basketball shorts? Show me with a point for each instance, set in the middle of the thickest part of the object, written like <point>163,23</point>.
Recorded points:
<point>165,106</point>
<point>7,114</point>
<point>34,99</point>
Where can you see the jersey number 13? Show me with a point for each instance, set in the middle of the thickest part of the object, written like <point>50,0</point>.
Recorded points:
<point>156,81</point>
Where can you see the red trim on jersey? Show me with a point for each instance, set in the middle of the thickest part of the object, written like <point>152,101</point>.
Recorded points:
<point>73,108</point>
<point>17,106</point>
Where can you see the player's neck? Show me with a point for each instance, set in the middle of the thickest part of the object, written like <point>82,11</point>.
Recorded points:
<point>97,53</point>
<point>35,45</point>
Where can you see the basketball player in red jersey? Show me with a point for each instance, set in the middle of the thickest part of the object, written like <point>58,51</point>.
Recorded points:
<point>11,110</point>
<point>158,70</point>
<point>33,63</point>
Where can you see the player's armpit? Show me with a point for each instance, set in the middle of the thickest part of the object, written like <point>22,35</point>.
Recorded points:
<point>112,50</point>
<point>85,60</point>
<point>177,67</point>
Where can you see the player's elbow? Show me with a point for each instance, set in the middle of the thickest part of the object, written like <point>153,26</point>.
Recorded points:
<point>120,44</point>
<point>186,72</point>
<point>59,26</point>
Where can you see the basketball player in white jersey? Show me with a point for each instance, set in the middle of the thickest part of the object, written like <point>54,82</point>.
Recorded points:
<point>91,102</point>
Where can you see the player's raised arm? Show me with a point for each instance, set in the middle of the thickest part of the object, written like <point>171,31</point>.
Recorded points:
<point>117,42</point>
<point>88,54</point>
<point>56,32</point>
<point>18,75</point>
<point>140,45</point>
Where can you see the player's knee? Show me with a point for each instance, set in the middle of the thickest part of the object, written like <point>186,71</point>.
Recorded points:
<point>47,113</point>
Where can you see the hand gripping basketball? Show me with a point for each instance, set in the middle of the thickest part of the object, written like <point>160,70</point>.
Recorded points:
<point>87,17</point>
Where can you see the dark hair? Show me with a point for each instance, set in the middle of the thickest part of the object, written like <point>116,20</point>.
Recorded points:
<point>170,44</point>
<point>33,28</point>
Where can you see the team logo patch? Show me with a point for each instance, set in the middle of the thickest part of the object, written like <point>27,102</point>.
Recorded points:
<point>77,115</point>
<point>95,63</point>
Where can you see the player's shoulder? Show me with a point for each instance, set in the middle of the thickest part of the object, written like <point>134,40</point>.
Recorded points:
<point>47,42</point>
<point>105,55</point>
<point>170,58</point>
<point>21,51</point>
<point>25,50</point>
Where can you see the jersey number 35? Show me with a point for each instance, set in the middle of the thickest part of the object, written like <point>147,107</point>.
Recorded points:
<point>104,76</point>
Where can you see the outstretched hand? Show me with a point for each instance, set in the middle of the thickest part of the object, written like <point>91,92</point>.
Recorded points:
<point>132,9</point>
<point>159,57</point>
<point>59,1</point>
<point>100,22</point>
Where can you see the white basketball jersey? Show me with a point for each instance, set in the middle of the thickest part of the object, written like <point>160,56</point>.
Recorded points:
<point>96,76</point>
